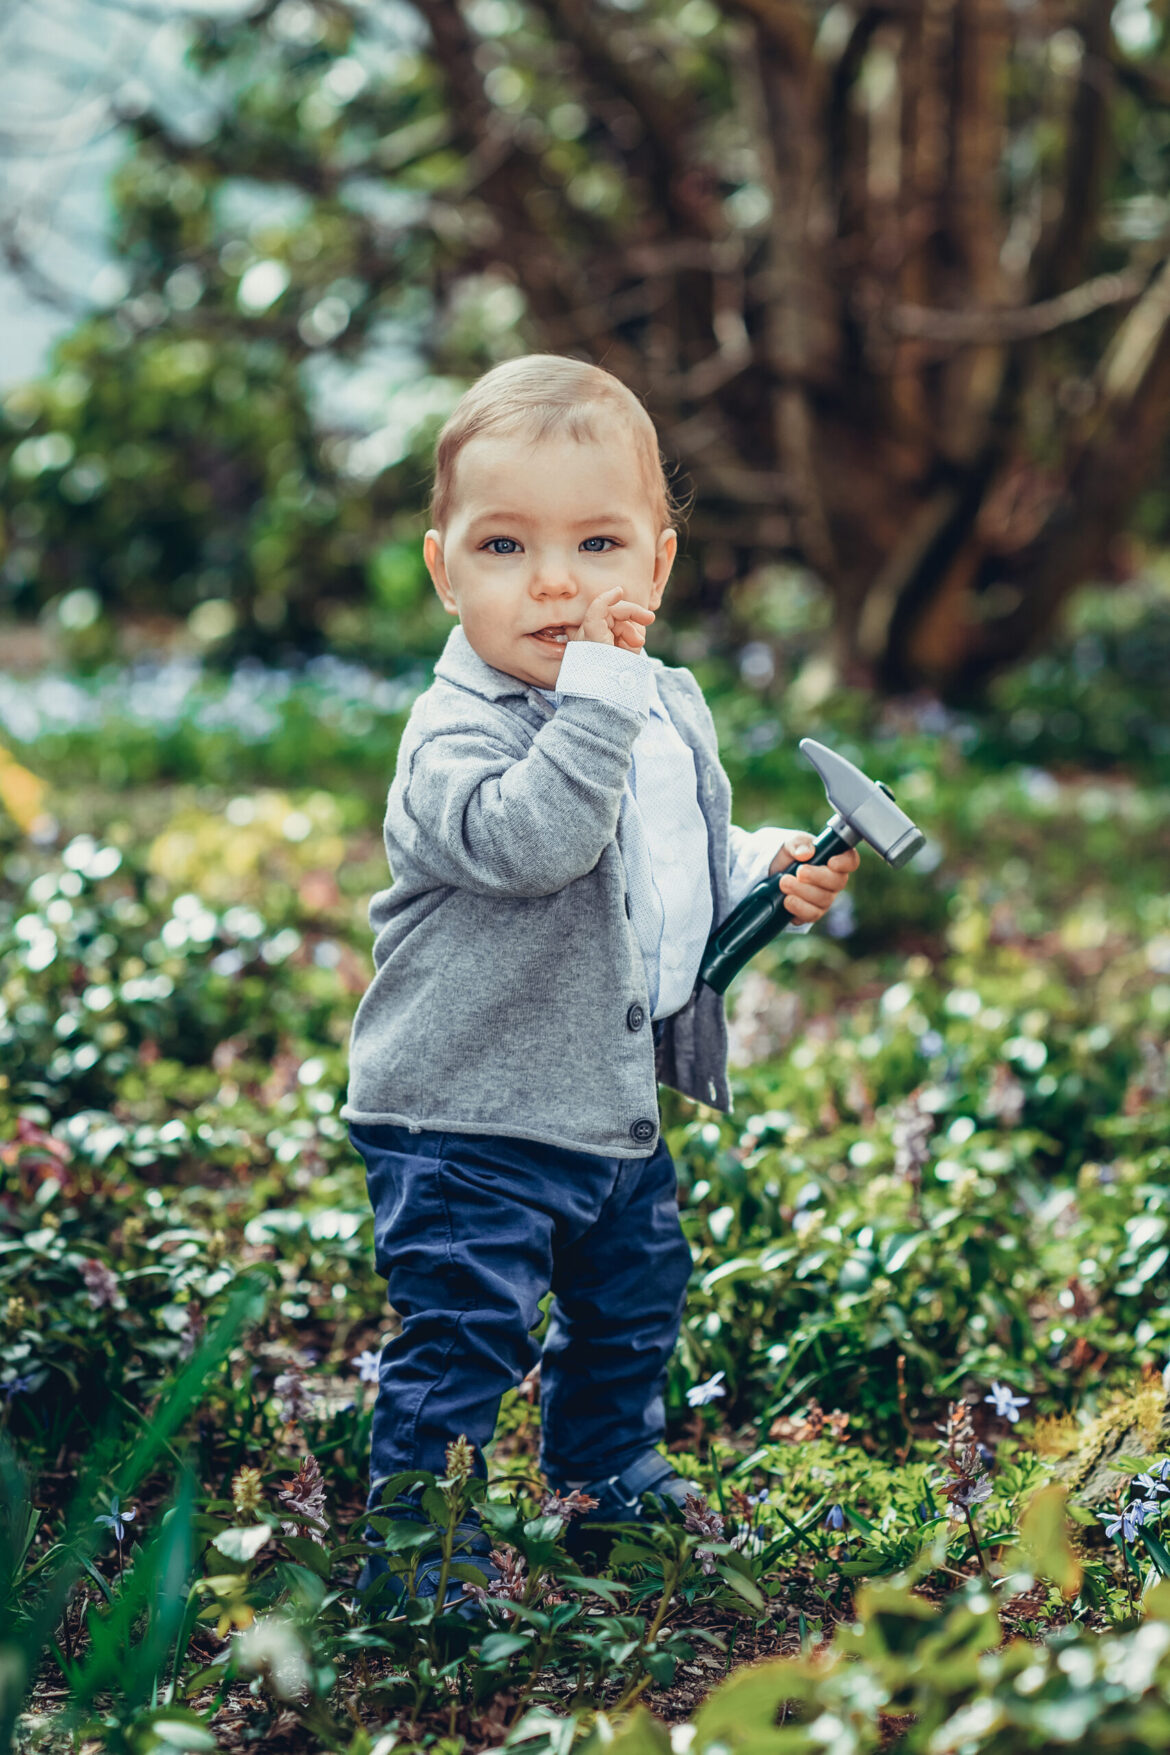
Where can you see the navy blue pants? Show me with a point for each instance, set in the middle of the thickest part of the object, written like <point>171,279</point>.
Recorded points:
<point>470,1232</point>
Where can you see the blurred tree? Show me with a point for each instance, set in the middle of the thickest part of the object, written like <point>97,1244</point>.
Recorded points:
<point>891,280</point>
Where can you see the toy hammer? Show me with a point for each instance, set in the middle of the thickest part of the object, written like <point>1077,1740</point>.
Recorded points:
<point>863,810</point>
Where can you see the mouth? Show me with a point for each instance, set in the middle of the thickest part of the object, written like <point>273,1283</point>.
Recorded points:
<point>552,636</point>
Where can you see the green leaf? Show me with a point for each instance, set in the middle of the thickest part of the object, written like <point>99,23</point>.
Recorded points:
<point>661,1665</point>
<point>397,1486</point>
<point>242,1541</point>
<point>434,1505</point>
<point>640,1733</point>
<point>302,1583</point>
<point>744,1587</point>
<point>402,1535</point>
<point>309,1553</point>
<point>897,1250</point>
<point>1044,1539</point>
<point>497,1647</point>
<point>182,1730</point>
<point>600,1587</point>
<point>1156,1549</point>
<point>468,1571</point>
<point>500,1515</point>
<point>740,1715</point>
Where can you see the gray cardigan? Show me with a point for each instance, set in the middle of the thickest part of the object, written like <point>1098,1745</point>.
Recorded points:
<point>509,993</point>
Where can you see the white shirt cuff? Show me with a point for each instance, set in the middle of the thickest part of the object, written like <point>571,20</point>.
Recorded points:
<point>606,673</point>
<point>752,853</point>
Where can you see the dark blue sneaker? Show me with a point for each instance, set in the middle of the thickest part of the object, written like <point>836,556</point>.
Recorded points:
<point>620,1500</point>
<point>472,1548</point>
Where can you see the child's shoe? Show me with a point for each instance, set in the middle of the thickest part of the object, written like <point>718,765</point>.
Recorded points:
<point>473,1548</point>
<point>619,1500</point>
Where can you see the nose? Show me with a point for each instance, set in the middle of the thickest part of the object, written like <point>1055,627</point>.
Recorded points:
<point>552,578</point>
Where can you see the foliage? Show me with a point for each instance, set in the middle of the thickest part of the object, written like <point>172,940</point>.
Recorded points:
<point>931,1242</point>
<point>906,1678</point>
<point>350,213</point>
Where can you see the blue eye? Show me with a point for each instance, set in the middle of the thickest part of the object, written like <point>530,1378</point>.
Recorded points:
<point>514,548</point>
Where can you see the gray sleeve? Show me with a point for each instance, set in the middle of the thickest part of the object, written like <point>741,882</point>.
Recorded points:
<point>482,819</point>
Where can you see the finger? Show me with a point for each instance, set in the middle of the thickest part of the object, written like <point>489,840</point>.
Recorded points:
<point>799,849</point>
<point>812,894</point>
<point>845,861</point>
<point>819,877</point>
<point>802,909</point>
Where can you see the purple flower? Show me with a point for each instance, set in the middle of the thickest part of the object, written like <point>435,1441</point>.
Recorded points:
<point>116,1520</point>
<point>841,919</point>
<point>970,1493</point>
<point>293,1395</point>
<point>17,1386</point>
<point>700,1393</point>
<point>367,1366</point>
<point>835,1517</point>
<point>1007,1405</point>
<point>101,1284</point>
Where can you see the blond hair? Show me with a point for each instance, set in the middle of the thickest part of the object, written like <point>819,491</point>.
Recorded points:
<point>542,394</point>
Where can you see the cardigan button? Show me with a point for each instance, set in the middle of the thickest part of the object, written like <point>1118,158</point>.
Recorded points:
<point>635,1017</point>
<point>643,1130</point>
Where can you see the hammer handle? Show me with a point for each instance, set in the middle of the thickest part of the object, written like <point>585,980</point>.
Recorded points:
<point>760,916</point>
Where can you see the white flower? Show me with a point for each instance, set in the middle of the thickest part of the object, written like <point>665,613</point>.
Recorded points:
<point>700,1393</point>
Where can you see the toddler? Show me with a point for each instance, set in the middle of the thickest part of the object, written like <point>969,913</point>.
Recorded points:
<point>560,845</point>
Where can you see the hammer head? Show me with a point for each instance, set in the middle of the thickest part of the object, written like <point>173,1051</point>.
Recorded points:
<point>866,805</point>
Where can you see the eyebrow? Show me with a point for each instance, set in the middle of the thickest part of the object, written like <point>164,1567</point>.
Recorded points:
<point>522,518</point>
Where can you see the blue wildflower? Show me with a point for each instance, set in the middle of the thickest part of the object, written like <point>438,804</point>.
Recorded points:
<point>17,1386</point>
<point>116,1520</point>
<point>1127,1521</point>
<point>1150,1487</point>
<point>760,1498</point>
<point>841,918</point>
<point>1007,1405</point>
<point>700,1393</point>
<point>835,1518</point>
<point>367,1365</point>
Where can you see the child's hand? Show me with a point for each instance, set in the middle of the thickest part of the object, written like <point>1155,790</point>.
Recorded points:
<point>614,620</point>
<point>809,893</point>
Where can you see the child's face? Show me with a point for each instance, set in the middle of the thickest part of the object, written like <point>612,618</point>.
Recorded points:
<point>538,529</point>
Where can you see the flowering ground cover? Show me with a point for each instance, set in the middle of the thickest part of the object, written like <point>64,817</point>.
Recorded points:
<point>920,1381</point>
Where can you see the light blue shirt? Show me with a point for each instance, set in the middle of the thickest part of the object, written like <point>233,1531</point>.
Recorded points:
<point>662,831</point>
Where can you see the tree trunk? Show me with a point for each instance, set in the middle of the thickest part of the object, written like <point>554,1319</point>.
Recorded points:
<point>863,267</point>
<point>854,386</point>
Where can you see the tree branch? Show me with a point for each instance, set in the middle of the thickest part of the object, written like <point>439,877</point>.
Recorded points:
<point>1112,465</point>
<point>1018,323</point>
<point>667,122</point>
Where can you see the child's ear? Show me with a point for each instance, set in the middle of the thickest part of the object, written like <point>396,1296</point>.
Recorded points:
<point>663,561</point>
<point>437,568</point>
